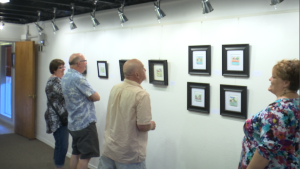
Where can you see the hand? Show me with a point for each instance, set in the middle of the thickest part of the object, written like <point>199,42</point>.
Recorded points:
<point>153,125</point>
<point>90,98</point>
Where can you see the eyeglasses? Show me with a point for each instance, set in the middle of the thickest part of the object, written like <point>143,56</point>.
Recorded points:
<point>61,67</point>
<point>83,60</point>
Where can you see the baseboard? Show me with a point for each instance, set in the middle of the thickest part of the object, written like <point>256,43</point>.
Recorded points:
<point>92,166</point>
<point>45,141</point>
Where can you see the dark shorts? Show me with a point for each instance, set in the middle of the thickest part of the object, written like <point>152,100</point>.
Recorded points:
<point>85,142</point>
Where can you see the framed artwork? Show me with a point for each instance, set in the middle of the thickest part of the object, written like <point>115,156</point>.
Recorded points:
<point>233,101</point>
<point>235,60</point>
<point>198,97</point>
<point>200,60</point>
<point>102,69</point>
<point>121,63</point>
<point>158,72</point>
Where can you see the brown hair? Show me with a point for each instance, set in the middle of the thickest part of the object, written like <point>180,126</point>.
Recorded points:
<point>54,65</point>
<point>288,70</point>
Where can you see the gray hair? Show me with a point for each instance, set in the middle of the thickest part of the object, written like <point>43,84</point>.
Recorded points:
<point>74,61</point>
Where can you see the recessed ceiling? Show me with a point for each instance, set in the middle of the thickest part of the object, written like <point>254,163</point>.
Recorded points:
<point>25,11</point>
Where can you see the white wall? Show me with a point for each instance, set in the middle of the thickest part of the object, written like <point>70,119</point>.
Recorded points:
<point>183,139</point>
<point>12,32</point>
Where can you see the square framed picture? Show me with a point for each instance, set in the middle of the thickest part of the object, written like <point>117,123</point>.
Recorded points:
<point>102,69</point>
<point>121,63</point>
<point>200,60</point>
<point>233,101</point>
<point>158,72</point>
<point>235,60</point>
<point>198,97</point>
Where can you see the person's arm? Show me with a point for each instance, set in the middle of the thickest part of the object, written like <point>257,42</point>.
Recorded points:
<point>148,127</point>
<point>258,161</point>
<point>94,97</point>
<point>144,113</point>
<point>86,89</point>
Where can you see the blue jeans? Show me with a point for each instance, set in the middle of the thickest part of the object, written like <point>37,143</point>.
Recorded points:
<point>108,163</point>
<point>61,136</point>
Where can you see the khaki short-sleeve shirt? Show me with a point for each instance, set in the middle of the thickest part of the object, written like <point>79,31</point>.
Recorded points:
<point>128,106</point>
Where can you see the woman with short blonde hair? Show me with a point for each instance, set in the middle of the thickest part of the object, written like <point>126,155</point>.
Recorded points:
<point>272,136</point>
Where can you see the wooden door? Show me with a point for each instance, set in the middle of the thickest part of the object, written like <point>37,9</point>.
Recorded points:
<point>25,96</point>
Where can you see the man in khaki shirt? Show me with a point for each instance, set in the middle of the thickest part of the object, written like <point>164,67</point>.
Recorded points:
<point>128,121</point>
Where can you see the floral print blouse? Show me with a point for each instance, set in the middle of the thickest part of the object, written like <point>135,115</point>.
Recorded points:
<point>54,93</point>
<point>274,132</point>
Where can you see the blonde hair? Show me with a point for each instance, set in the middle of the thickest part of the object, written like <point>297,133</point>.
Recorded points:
<point>288,70</point>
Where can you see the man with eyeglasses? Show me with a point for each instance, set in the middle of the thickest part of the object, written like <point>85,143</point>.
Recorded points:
<point>80,97</point>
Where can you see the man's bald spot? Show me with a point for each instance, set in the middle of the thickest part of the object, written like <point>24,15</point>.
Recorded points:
<point>74,58</point>
<point>131,66</point>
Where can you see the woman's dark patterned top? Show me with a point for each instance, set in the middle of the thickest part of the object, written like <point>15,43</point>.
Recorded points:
<point>54,93</point>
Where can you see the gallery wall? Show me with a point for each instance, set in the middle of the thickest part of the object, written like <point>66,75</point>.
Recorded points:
<point>183,139</point>
<point>12,32</point>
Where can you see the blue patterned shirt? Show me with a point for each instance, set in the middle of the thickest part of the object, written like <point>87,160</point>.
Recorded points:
<point>76,91</point>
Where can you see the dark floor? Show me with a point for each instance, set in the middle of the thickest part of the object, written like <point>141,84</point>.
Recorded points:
<point>20,152</point>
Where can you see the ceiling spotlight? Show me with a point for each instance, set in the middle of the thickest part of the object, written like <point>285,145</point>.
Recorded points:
<point>55,28</point>
<point>2,25</point>
<point>4,1</point>
<point>39,28</point>
<point>275,2</point>
<point>72,24</point>
<point>207,8</point>
<point>94,20</point>
<point>160,14</point>
<point>123,18</point>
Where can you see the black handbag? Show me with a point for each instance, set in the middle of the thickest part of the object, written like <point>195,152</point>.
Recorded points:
<point>63,118</point>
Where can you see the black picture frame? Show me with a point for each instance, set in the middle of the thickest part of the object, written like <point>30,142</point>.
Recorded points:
<point>102,69</point>
<point>121,64</point>
<point>200,62</point>
<point>233,101</point>
<point>158,78</point>
<point>235,67</point>
<point>195,99</point>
